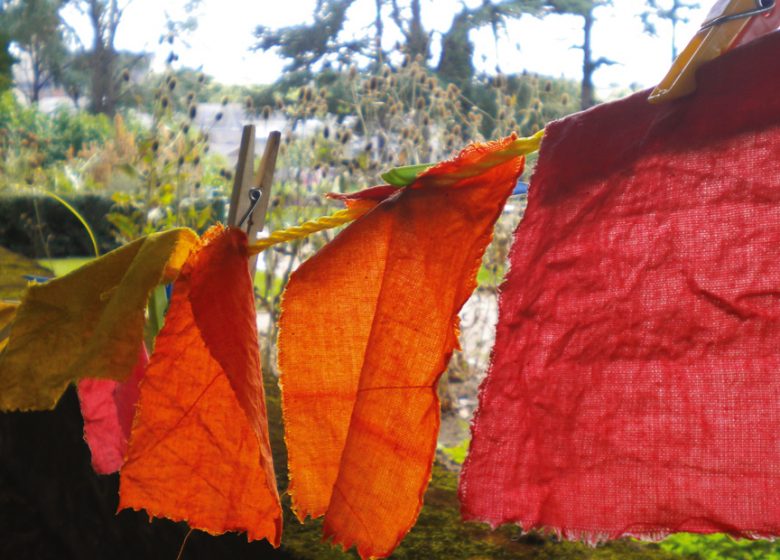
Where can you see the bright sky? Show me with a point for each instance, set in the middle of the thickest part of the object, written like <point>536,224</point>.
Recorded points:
<point>224,34</point>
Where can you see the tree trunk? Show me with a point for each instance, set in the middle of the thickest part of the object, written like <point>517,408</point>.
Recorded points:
<point>587,98</point>
<point>455,64</point>
<point>379,25</point>
<point>103,94</point>
<point>417,39</point>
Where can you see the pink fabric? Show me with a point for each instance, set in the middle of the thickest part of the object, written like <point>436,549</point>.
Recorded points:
<point>108,408</point>
<point>635,383</point>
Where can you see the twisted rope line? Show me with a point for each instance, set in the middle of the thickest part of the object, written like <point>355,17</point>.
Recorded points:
<point>305,229</point>
<point>521,146</point>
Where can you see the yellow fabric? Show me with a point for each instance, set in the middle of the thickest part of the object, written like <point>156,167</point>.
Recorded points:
<point>7,313</point>
<point>88,323</point>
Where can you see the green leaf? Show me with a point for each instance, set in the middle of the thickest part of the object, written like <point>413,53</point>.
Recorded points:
<point>158,305</point>
<point>404,176</point>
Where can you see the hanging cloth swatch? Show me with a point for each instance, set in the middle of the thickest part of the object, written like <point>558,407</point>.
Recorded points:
<point>635,383</point>
<point>108,407</point>
<point>368,325</point>
<point>88,323</point>
<point>199,449</point>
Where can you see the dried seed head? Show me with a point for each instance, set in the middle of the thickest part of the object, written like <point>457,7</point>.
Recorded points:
<point>193,111</point>
<point>266,112</point>
<point>548,86</point>
<point>126,75</point>
<point>326,132</point>
<point>248,103</point>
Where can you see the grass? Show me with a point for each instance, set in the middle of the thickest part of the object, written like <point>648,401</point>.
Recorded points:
<point>61,267</point>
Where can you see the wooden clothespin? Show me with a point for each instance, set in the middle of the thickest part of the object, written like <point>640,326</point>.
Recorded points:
<point>252,193</point>
<point>729,24</point>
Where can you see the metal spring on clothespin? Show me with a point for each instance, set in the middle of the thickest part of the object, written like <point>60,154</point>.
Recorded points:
<point>255,194</point>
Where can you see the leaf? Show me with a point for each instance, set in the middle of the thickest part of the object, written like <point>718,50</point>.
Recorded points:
<point>88,323</point>
<point>404,176</point>
<point>367,328</point>
<point>203,217</point>
<point>199,449</point>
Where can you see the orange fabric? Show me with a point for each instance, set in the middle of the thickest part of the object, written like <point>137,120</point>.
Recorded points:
<point>199,448</point>
<point>368,325</point>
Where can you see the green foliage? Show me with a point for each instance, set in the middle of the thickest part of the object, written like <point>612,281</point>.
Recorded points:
<point>305,45</point>
<point>457,453</point>
<point>31,141</point>
<point>6,63</point>
<point>36,28</point>
<point>718,547</point>
<point>13,269</point>
<point>39,226</point>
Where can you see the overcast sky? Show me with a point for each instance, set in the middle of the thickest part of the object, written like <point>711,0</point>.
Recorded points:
<point>224,34</point>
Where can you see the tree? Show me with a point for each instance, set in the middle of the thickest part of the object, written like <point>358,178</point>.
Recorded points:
<point>36,30</point>
<point>305,45</point>
<point>7,62</point>
<point>657,11</point>
<point>104,17</point>
<point>76,75</point>
<point>585,9</point>
<point>457,51</point>
<point>417,40</point>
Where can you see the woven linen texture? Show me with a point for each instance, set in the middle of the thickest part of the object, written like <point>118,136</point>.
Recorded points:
<point>635,383</point>
<point>199,449</point>
<point>368,325</point>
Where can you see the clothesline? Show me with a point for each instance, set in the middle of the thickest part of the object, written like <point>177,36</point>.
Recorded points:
<point>519,147</point>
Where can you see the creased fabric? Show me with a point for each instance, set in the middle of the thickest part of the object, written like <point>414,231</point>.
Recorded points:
<point>199,449</point>
<point>108,407</point>
<point>7,314</point>
<point>367,327</point>
<point>88,323</point>
<point>635,383</point>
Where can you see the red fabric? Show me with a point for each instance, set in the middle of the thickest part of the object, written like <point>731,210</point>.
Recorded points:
<point>635,384</point>
<point>107,407</point>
